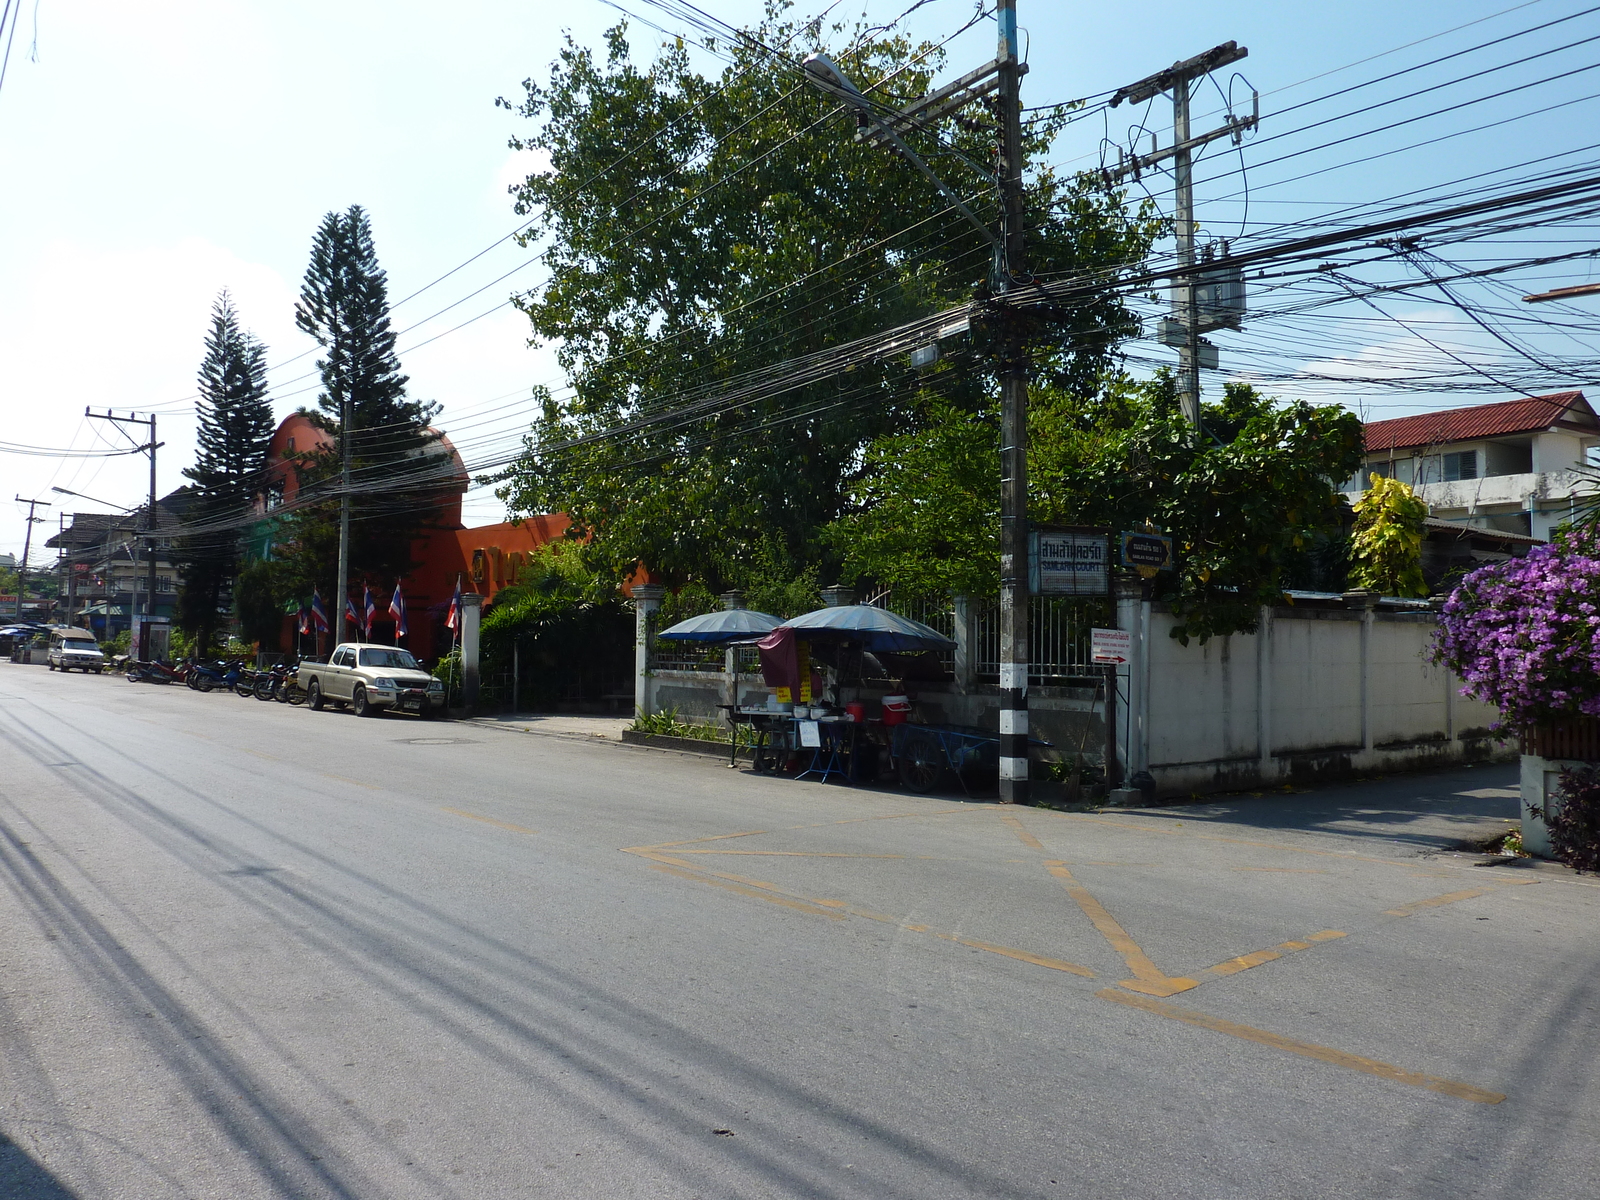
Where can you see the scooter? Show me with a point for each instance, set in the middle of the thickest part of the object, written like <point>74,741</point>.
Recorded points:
<point>157,672</point>
<point>223,675</point>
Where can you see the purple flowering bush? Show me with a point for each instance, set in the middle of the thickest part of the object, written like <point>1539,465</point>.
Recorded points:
<point>1525,634</point>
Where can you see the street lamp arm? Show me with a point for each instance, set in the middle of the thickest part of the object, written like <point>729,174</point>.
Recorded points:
<point>829,78</point>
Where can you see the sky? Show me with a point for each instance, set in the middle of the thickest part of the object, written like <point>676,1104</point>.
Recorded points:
<point>158,153</point>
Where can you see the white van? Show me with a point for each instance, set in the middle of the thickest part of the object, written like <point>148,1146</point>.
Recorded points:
<point>74,650</point>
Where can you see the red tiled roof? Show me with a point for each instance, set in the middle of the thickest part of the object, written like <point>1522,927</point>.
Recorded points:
<point>1480,421</point>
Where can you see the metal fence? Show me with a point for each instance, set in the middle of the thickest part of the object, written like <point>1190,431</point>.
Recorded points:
<point>935,612</point>
<point>686,656</point>
<point>1058,636</point>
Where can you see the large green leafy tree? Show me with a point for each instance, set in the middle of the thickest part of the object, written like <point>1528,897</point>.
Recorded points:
<point>235,426</point>
<point>698,228</point>
<point>1248,507</point>
<point>398,468</point>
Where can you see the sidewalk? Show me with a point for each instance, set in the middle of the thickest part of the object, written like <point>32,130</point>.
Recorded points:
<point>1404,814</point>
<point>571,725</point>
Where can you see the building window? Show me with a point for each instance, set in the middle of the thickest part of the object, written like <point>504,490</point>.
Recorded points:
<point>274,494</point>
<point>164,583</point>
<point>1448,467</point>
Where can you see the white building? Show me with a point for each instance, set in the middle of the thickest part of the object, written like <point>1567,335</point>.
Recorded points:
<point>1514,467</point>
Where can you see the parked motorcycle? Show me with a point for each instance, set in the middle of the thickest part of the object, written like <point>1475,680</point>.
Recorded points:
<point>140,671</point>
<point>205,677</point>
<point>270,682</point>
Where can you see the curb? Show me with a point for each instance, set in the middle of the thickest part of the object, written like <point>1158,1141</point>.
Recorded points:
<point>655,741</point>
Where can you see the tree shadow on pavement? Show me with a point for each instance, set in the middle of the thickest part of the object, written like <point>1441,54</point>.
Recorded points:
<point>21,1178</point>
<point>1449,810</point>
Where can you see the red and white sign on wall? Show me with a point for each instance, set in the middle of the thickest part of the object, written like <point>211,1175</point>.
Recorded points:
<point>1110,645</point>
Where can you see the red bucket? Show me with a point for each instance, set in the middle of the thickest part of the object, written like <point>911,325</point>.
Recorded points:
<point>856,711</point>
<point>896,709</point>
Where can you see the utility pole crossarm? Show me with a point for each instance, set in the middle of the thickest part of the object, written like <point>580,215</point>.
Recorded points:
<point>1213,59</point>
<point>1177,80</point>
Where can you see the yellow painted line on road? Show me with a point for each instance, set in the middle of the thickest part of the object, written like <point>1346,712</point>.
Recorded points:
<point>489,820</point>
<point>1244,962</point>
<point>1021,831</point>
<point>837,910</point>
<point>802,854</point>
<point>1147,977</point>
<point>346,779</point>
<point>1405,910</point>
<point>261,754</point>
<point>1325,1054</point>
<point>720,837</point>
<point>731,886</point>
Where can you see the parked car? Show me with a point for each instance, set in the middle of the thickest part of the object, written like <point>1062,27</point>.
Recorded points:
<point>370,678</point>
<point>74,650</point>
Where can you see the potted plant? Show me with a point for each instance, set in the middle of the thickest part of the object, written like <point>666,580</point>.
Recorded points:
<point>1524,635</point>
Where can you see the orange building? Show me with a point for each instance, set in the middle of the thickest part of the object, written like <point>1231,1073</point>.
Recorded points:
<point>483,560</point>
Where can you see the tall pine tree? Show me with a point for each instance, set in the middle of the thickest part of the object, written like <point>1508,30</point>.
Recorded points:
<point>344,305</point>
<point>235,426</point>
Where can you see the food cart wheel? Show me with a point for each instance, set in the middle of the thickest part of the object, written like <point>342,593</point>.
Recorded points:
<point>922,762</point>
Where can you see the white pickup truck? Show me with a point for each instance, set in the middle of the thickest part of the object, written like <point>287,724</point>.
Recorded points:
<point>370,678</point>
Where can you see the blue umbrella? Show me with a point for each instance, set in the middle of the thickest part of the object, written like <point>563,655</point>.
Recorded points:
<point>725,625</point>
<point>877,629</point>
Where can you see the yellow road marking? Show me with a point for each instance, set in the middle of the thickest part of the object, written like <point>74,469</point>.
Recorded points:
<point>801,854</point>
<point>721,837</point>
<point>490,821</point>
<point>1405,910</point>
<point>1021,831</point>
<point>1244,962</point>
<point>729,885</point>
<point>1038,960</point>
<point>1337,1058</point>
<point>346,779</point>
<point>261,754</point>
<point>837,910</point>
<point>1147,977</point>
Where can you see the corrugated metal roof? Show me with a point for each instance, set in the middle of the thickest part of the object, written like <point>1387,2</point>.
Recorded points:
<point>1480,421</point>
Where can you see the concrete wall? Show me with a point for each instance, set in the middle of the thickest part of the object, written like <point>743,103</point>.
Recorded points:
<point>1321,691</point>
<point>1317,693</point>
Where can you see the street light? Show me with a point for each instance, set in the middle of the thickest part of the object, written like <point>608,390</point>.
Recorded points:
<point>1566,293</point>
<point>91,499</point>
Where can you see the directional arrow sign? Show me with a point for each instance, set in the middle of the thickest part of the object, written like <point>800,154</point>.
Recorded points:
<point>1110,645</point>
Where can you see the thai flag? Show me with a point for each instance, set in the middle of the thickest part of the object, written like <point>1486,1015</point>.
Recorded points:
<point>397,610</point>
<point>452,619</point>
<point>351,614</point>
<point>304,624</point>
<point>371,610</point>
<point>318,613</point>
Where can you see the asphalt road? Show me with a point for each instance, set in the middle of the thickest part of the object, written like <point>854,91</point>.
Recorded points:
<point>252,951</point>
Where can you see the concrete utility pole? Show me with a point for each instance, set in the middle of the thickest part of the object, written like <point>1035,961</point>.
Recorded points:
<point>143,649</point>
<point>1013,432</point>
<point>1184,333</point>
<point>342,587</point>
<point>27,545</point>
<point>883,128</point>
